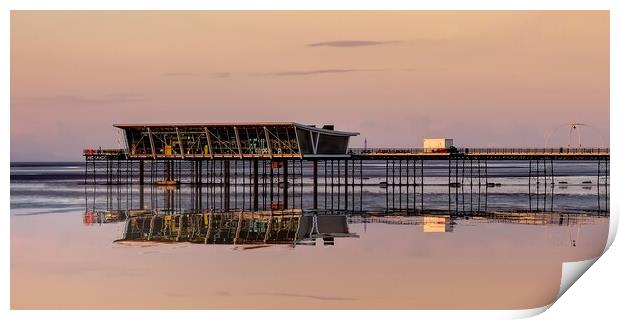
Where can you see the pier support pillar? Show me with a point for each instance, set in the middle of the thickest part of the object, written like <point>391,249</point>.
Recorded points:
<point>255,184</point>
<point>315,184</point>
<point>285,186</point>
<point>168,199</point>
<point>167,170</point>
<point>422,185</point>
<point>193,175</point>
<point>271,185</point>
<point>226,185</point>
<point>346,185</point>
<point>200,173</point>
<point>141,172</point>
<point>107,172</point>
<point>449,184</point>
<point>141,196</point>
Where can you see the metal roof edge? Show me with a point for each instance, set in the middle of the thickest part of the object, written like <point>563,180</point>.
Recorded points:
<point>327,131</point>
<point>232,124</point>
<point>215,124</point>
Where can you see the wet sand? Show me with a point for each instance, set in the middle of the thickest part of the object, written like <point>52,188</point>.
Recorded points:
<point>57,262</point>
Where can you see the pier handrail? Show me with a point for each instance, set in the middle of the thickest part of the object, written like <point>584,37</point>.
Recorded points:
<point>511,151</point>
<point>104,152</point>
<point>484,151</point>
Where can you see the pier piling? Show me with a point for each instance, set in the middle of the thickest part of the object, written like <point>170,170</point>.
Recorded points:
<point>315,184</point>
<point>342,182</point>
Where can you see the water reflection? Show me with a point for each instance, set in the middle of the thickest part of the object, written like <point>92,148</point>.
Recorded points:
<point>207,215</point>
<point>386,253</point>
<point>250,230</point>
<point>438,224</point>
<point>504,198</point>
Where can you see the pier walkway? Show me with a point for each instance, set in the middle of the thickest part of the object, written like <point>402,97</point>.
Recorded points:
<point>508,153</point>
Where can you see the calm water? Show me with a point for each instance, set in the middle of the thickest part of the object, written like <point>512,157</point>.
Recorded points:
<point>123,246</point>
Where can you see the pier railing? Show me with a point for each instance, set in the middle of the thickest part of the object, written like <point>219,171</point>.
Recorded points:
<point>485,151</point>
<point>507,151</point>
<point>104,152</point>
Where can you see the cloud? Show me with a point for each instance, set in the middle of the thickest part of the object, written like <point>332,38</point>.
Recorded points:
<point>223,75</point>
<point>349,43</point>
<point>181,74</point>
<point>307,72</point>
<point>295,295</point>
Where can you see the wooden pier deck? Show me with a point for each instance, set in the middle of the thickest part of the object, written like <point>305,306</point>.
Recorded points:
<point>522,153</point>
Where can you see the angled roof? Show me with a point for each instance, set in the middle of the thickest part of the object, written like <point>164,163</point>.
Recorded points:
<point>233,124</point>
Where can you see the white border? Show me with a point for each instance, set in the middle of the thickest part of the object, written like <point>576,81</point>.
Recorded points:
<point>596,297</point>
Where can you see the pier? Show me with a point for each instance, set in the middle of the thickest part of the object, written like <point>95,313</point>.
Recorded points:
<point>288,166</point>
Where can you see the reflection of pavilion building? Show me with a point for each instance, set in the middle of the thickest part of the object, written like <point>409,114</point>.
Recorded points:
<point>237,228</point>
<point>104,216</point>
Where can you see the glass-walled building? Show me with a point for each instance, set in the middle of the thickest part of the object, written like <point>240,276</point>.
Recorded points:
<point>239,140</point>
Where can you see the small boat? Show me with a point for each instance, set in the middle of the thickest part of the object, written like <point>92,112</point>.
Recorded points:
<point>167,183</point>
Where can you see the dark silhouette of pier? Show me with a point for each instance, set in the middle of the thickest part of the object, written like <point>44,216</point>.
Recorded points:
<point>288,166</point>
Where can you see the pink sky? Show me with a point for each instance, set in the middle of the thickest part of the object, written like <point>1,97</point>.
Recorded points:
<point>483,78</point>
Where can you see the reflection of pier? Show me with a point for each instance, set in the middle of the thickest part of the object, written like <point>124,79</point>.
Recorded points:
<point>281,166</point>
<point>446,223</point>
<point>538,218</point>
<point>250,230</point>
<point>245,229</point>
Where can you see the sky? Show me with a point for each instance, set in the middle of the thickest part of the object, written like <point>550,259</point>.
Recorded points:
<point>483,78</point>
